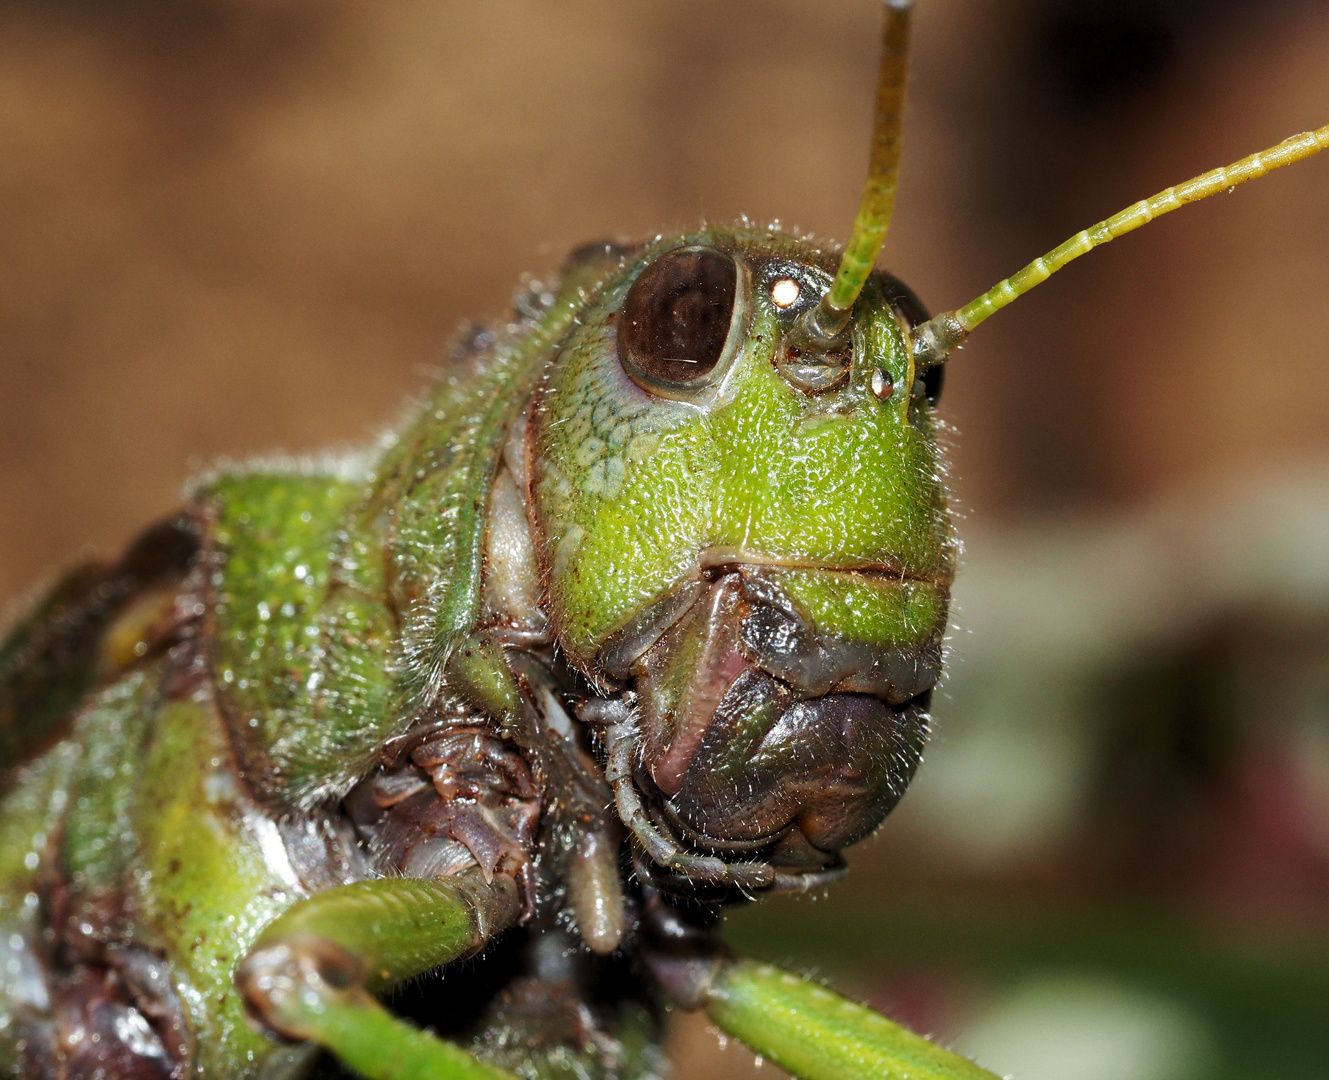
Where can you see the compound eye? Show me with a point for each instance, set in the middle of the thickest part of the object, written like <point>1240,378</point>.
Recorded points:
<point>676,318</point>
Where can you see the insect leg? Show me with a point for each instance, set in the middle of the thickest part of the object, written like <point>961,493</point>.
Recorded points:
<point>818,1035</point>
<point>804,1028</point>
<point>313,971</point>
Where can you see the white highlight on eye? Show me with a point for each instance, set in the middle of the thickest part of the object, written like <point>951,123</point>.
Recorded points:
<point>785,292</point>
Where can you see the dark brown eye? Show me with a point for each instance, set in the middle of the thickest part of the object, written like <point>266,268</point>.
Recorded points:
<point>911,307</point>
<point>676,318</point>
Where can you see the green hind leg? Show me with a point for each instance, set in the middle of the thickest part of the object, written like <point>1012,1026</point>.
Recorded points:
<point>804,1028</point>
<point>817,1035</point>
<point>313,972</point>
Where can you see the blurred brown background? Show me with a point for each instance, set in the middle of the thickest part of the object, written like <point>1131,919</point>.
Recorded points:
<point>242,227</point>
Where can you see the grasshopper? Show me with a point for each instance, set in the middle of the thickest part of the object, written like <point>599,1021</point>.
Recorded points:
<point>638,616</point>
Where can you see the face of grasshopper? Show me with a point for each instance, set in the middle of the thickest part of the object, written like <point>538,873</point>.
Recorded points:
<point>750,537</point>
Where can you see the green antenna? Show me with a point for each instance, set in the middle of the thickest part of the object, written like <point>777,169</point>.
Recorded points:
<point>934,340</point>
<point>827,321</point>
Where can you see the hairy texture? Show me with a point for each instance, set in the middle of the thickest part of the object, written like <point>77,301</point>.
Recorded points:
<point>433,664</point>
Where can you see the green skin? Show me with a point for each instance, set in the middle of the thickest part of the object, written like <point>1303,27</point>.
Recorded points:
<point>335,605</point>
<point>631,488</point>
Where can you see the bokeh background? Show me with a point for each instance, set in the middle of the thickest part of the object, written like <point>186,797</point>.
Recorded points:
<point>244,227</point>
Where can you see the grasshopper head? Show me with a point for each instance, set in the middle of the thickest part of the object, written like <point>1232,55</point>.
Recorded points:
<point>741,515</point>
<point>749,530</point>
<point>740,512</point>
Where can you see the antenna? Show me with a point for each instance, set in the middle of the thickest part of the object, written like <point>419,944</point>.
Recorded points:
<point>825,323</point>
<point>934,340</point>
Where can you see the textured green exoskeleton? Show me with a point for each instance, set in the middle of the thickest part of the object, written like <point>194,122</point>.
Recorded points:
<point>640,614</point>
<point>268,709</point>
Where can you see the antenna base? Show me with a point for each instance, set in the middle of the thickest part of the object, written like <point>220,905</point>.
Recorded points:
<point>821,329</point>
<point>936,339</point>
